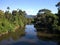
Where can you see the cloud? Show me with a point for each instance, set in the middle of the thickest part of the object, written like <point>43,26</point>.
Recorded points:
<point>31,11</point>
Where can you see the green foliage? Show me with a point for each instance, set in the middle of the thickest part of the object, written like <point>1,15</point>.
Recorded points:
<point>1,12</point>
<point>46,20</point>
<point>58,14</point>
<point>9,21</point>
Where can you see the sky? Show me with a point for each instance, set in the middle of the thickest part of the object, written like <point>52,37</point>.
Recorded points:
<point>30,6</point>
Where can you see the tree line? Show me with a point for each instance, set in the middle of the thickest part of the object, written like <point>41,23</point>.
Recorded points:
<point>48,22</point>
<point>10,20</point>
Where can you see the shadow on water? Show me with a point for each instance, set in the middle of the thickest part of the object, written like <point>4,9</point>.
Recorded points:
<point>27,36</point>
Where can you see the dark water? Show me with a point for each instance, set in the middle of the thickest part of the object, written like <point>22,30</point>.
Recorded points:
<point>27,37</point>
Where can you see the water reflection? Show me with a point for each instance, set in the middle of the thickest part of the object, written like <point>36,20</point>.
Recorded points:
<point>30,32</point>
<point>46,40</point>
<point>11,37</point>
<point>28,37</point>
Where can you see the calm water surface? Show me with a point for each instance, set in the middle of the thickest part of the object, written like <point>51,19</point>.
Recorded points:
<point>27,37</point>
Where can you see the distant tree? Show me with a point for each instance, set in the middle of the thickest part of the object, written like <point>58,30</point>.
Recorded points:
<point>8,8</point>
<point>8,15</point>
<point>24,13</point>
<point>14,12</point>
<point>20,12</point>
<point>44,11</point>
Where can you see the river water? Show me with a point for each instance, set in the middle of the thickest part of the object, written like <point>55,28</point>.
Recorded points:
<point>28,37</point>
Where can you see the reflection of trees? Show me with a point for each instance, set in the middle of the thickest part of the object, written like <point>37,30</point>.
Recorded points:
<point>14,35</point>
<point>58,43</point>
<point>44,38</point>
<point>47,37</point>
<point>18,34</point>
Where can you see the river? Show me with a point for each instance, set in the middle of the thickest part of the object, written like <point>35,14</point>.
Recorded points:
<point>27,37</point>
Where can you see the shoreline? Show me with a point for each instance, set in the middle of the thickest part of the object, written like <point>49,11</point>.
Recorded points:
<point>8,31</point>
<point>47,34</point>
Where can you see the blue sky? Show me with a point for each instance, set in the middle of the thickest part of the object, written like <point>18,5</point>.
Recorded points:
<point>30,6</point>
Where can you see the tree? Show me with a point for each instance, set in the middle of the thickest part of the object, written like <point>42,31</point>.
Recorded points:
<point>46,20</point>
<point>20,12</point>
<point>1,12</point>
<point>43,11</point>
<point>58,5</point>
<point>8,8</point>
<point>8,15</point>
<point>24,13</point>
<point>14,12</point>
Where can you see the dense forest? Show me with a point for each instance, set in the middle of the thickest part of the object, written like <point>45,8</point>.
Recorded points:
<point>10,21</point>
<point>48,22</point>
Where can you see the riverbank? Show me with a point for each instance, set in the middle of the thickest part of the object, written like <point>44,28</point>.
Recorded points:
<point>47,34</point>
<point>17,27</point>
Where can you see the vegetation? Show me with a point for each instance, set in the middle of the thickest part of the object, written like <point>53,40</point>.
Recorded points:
<point>58,5</point>
<point>48,22</point>
<point>14,35</point>
<point>10,21</point>
<point>44,21</point>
